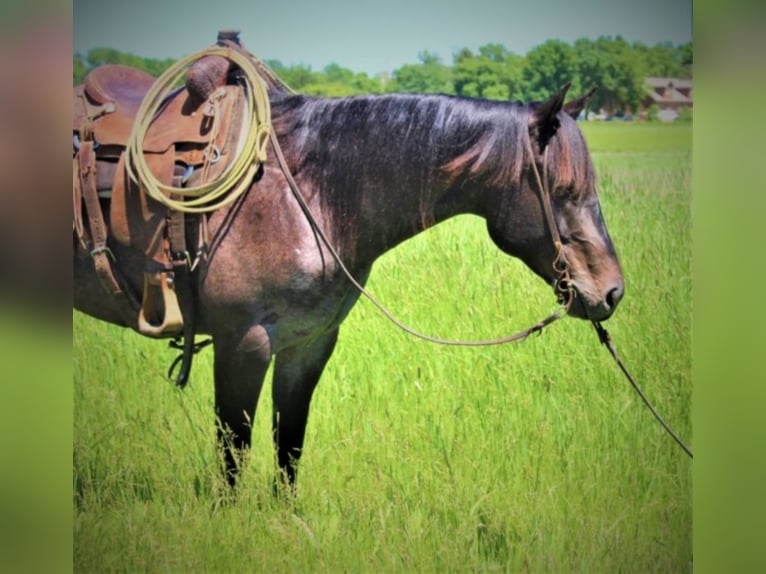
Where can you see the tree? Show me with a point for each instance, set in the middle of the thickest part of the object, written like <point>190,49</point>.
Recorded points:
<point>101,56</point>
<point>297,77</point>
<point>79,69</point>
<point>616,69</point>
<point>336,74</point>
<point>592,67</point>
<point>549,67</point>
<point>430,76</point>
<point>334,81</point>
<point>494,73</point>
<point>364,84</point>
<point>328,89</point>
<point>685,55</point>
<point>629,73</point>
<point>660,60</point>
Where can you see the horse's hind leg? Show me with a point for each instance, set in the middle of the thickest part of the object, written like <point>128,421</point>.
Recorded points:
<point>296,374</point>
<point>241,362</point>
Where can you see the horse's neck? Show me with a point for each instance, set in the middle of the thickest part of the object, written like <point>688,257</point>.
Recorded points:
<point>378,164</point>
<point>394,209</point>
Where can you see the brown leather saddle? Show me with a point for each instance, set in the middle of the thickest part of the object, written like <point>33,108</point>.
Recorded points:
<point>177,149</point>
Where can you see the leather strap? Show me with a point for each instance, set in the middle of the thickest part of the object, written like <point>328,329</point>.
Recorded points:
<point>563,282</point>
<point>185,291</point>
<point>77,224</point>
<point>102,255</point>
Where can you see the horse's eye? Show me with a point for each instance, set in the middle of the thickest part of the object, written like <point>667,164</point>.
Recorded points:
<point>565,193</point>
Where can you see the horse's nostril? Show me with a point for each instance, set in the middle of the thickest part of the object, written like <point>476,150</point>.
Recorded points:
<point>614,296</point>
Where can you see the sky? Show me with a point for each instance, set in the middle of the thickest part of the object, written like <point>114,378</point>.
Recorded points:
<point>373,37</point>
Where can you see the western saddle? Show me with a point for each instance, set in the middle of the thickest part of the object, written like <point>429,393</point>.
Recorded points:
<point>205,114</point>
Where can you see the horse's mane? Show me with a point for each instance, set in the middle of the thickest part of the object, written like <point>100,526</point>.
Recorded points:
<point>570,166</point>
<point>498,153</point>
<point>458,136</point>
<point>501,153</point>
<point>422,139</point>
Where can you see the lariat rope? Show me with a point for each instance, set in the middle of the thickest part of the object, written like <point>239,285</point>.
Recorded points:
<point>238,176</point>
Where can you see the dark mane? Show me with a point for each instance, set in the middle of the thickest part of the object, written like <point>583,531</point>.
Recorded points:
<point>570,166</point>
<point>459,136</point>
<point>416,141</point>
<point>498,153</point>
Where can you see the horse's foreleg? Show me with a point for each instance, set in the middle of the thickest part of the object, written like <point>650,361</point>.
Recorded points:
<point>296,374</point>
<point>241,362</point>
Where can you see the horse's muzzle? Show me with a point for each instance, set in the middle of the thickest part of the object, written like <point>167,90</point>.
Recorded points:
<point>584,308</point>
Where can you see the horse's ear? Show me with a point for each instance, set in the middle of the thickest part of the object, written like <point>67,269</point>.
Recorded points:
<point>575,107</point>
<point>543,122</point>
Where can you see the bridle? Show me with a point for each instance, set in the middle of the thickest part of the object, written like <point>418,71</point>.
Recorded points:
<point>562,284</point>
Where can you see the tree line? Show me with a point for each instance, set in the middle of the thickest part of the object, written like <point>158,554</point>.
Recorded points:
<point>618,68</point>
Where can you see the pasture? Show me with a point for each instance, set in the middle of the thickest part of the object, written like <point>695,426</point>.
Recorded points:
<point>533,457</point>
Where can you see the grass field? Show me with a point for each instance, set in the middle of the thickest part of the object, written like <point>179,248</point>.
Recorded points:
<point>529,458</point>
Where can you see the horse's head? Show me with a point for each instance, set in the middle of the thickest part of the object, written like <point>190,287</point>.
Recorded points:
<point>557,153</point>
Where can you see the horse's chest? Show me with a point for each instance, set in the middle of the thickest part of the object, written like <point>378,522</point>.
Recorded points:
<point>297,292</point>
<point>313,293</point>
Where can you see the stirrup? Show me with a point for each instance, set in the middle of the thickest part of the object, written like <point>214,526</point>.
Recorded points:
<point>151,321</point>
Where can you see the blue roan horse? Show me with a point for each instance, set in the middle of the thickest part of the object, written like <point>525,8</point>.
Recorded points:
<point>374,171</point>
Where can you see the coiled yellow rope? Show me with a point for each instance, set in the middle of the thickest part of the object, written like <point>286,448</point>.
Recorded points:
<point>239,174</point>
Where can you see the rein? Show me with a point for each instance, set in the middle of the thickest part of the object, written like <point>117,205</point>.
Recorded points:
<point>606,340</point>
<point>562,285</point>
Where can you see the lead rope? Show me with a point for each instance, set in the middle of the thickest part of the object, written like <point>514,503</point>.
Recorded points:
<point>606,340</point>
<point>562,285</point>
<point>559,264</point>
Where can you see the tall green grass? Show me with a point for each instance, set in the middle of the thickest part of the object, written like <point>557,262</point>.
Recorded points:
<point>534,457</point>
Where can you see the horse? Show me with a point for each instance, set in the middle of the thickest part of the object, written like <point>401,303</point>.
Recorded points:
<point>374,171</point>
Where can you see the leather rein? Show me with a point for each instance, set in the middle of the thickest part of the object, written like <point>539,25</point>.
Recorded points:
<point>562,285</point>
